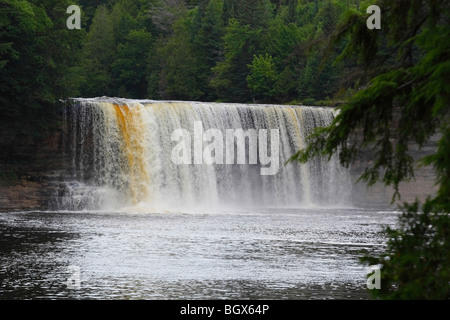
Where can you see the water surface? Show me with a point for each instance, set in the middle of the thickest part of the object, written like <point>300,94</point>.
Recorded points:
<point>239,254</point>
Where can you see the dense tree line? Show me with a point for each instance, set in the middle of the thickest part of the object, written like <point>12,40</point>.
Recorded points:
<point>39,64</point>
<point>208,50</point>
<point>211,50</point>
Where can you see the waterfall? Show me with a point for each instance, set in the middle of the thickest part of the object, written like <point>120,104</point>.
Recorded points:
<point>121,154</point>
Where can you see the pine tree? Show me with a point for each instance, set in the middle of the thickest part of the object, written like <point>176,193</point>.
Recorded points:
<point>230,75</point>
<point>179,73</point>
<point>99,54</point>
<point>207,43</point>
<point>38,59</point>
<point>255,13</point>
<point>263,77</point>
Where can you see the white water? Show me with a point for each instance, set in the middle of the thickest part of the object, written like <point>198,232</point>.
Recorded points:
<point>120,155</point>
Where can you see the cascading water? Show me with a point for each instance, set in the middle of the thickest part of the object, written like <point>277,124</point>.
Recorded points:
<point>121,155</point>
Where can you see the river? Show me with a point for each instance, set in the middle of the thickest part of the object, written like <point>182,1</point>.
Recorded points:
<point>278,254</point>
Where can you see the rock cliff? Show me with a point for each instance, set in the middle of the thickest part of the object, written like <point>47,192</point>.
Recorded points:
<point>31,170</point>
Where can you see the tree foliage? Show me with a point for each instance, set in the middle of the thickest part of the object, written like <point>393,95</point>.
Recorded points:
<point>263,76</point>
<point>416,262</point>
<point>400,101</point>
<point>35,75</point>
<point>179,73</point>
<point>173,49</point>
<point>203,49</point>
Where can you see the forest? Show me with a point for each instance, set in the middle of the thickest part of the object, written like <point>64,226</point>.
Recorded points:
<point>206,50</point>
<point>233,51</point>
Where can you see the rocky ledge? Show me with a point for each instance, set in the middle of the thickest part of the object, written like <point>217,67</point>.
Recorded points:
<point>30,172</point>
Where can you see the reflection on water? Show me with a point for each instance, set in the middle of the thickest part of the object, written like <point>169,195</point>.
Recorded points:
<point>259,254</point>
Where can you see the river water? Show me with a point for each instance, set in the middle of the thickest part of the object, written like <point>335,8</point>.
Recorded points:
<point>235,254</point>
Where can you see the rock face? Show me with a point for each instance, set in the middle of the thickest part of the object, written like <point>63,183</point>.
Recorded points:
<point>31,173</point>
<point>422,186</point>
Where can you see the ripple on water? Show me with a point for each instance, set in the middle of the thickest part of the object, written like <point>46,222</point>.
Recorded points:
<point>264,254</point>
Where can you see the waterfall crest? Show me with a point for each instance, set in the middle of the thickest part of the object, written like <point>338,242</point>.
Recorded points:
<point>121,154</point>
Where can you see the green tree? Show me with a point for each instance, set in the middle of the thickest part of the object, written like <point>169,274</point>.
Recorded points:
<point>130,64</point>
<point>263,77</point>
<point>320,76</point>
<point>230,75</point>
<point>416,263</point>
<point>179,73</point>
<point>89,7</point>
<point>117,49</point>
<point>208,43</point>
<point>291,16</point>
<point>244,37</point>
<point>99,54</point>
<point>164,13</point>
<point>229,10</point>
<point>255,13</point>
<point>38,59</point>
<point>398,104</point>
<point>282,40</point>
